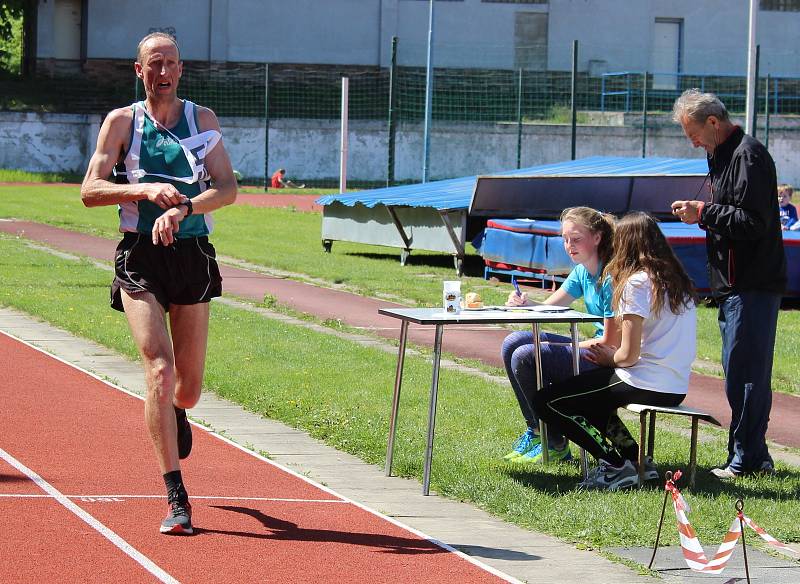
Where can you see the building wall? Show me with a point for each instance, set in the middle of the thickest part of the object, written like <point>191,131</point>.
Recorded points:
<point>309,149</point>
<point>468,33</point>
<point>715,35</point>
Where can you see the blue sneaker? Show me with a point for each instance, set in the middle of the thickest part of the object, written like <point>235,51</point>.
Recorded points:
<point>534,455</point>
<point>524,444</point>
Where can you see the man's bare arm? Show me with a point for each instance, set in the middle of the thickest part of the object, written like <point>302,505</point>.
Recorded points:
<point>221,193</point>
<point>223,182</point>
<point>97,190</point>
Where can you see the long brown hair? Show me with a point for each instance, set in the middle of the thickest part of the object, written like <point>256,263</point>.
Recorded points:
<point>640,246</point>
<point>596,222</point>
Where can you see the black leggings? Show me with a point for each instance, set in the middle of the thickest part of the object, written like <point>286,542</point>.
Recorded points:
<point>581,407</point>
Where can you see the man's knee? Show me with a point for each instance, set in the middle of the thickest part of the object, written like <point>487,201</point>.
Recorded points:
<point>160,375</point>
<point>186,395</point>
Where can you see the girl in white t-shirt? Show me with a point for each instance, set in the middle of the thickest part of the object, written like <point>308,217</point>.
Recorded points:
<point>655,308</point>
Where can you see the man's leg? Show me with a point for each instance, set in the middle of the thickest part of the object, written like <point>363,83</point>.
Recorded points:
<point>748,323</point>
<point>189,328</point>
<point>146,318</point>
<point>147,322</point>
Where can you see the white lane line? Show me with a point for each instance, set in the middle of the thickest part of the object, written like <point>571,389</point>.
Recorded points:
<point>106,498</point>
<point>474,561</point>
<point>123,545</point>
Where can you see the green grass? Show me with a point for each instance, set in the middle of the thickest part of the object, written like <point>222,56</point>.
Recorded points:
<point>289,240</point>
<point>296,375</point>
<point>13,175</point>
<point>562,114</point>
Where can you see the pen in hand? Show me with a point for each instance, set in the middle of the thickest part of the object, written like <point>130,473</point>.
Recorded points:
<point>516,286</point>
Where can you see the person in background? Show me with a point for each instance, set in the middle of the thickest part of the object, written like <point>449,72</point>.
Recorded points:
<point>279,181</point>
<point>587,235</point>
<point>654,306</point>
<point>747,269</point>
<point>172,171</point>
<point>787,211</point>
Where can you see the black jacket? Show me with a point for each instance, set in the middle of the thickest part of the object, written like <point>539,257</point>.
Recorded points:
<point>743,230</point>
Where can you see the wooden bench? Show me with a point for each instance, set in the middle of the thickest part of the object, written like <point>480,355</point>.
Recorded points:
<point>648,440</point>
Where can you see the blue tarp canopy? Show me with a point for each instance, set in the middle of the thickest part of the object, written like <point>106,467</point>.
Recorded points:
<point>457,193</point>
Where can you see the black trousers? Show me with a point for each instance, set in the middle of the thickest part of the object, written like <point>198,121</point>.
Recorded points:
<point>580,408</point>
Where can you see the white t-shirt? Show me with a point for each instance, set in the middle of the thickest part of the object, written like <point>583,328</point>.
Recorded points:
<point>669,341</point>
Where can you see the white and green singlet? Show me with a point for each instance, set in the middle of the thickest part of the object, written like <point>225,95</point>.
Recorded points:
<point>171,155</point>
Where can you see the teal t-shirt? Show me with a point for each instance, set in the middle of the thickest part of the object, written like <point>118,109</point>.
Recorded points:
<point>581,284</point>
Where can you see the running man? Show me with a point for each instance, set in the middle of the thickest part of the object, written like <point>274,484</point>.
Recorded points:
<point>171,171</point>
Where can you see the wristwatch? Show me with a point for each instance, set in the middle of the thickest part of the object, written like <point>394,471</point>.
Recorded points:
<point>189,208</point>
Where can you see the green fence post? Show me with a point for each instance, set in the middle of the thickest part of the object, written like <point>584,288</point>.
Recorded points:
<point>755,93</point>
<point>644,116</point>
<point>766,112</point>
<point>574,97</point>
<point>266,126</point>
<point>392,115</point>
<point>519,120</point>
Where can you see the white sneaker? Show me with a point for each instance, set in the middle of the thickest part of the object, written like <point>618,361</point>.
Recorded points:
<point>611,478</point>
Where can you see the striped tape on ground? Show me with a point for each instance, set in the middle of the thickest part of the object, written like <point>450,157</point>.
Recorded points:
<point>693,552</point>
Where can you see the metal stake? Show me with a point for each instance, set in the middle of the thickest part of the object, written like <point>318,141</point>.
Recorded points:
<point>668,477</point>
<point>740,510</point>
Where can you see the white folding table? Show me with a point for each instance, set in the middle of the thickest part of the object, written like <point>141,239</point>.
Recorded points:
<point>535,316</point>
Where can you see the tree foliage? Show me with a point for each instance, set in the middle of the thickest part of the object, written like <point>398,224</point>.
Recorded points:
<point>10,13</point>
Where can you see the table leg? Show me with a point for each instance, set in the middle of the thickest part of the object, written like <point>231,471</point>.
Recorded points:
<point>576,369</point>
<point>437,354</point>
<point>537,348</point>
<point>398,380</point>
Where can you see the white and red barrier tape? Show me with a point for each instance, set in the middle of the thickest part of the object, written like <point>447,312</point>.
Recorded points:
<point>690,546</point>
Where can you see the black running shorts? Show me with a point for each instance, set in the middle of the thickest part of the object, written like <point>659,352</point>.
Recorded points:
<point>185,272</point>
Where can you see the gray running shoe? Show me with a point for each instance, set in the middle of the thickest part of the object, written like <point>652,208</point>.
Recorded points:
<point>611,478</point>
<point>179,519</point>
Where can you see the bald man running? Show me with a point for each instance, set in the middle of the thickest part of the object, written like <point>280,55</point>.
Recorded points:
<point>171,171</point>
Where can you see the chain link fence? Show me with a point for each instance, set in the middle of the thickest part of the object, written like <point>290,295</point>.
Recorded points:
<point>292,108</point>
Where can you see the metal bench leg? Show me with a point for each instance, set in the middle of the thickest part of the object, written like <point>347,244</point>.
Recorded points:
<point>693,452</point>
<point>642,445</point>
<point>651,439</point>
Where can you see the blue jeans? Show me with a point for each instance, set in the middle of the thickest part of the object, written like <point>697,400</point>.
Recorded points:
<point>747,323</point>
<point>518,357</point>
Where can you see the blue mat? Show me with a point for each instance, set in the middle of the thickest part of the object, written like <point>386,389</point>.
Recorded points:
<point>537,245</point>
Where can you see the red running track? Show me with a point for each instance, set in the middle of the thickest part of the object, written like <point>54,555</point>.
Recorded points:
<point>81,500</point>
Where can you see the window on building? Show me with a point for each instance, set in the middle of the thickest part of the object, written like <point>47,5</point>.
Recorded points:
<point>530,40</point>
<point>781,5</point>
<point>517,1</point>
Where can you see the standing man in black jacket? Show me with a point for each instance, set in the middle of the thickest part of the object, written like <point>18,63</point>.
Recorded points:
<point>747,268</point>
